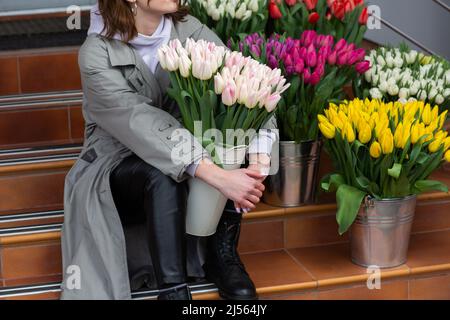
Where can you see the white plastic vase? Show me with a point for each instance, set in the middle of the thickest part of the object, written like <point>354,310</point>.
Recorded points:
<point>205,203</point>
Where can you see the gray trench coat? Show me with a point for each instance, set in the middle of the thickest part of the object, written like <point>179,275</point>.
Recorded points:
<point>126,110</point>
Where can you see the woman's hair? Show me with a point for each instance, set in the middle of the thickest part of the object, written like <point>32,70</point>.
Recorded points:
<point>118,17</point>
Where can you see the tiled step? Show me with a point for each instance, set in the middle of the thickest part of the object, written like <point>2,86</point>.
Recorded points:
<point>28,243</point>
<point>33,179</point>
<point>44,120</point>
<point>324,272</point>
<point>39,70</point>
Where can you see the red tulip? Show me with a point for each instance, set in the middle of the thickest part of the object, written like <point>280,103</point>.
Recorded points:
<point>313,18</point>
<point>310,4</point>
<point>291,3</point>
<point>338,9</point>
<point>274,11</point>
<point>364,17</point>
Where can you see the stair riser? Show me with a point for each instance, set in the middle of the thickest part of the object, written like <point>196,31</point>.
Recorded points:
<point>30,263</point>
<point>56,125</point>
<point>436,287</point>
<point>32,191</point>
<point>33,71</point>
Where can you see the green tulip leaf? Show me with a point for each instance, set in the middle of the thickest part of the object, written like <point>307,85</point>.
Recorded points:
<point>429,185</point>
<point>332,182</point>
<point>349,200</point>
<point>395,170</point>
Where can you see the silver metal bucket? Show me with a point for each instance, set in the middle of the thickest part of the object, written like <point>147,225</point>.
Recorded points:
<point>380,234</point>
<point>295,183</point>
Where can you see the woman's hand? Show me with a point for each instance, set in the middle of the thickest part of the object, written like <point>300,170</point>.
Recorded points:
<point>243,186</point>
<point>258,162</point>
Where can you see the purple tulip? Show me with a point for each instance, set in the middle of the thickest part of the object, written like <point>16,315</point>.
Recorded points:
<point>273,62</point>
<point>256,50</point>
<point>362,67</point>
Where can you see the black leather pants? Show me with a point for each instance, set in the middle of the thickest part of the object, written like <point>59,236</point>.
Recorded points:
<point>143,194</point>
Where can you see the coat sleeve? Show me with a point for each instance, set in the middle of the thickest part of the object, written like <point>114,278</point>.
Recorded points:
<point>150,132</point>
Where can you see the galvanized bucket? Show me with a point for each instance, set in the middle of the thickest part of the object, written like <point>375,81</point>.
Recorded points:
<point>380,234</point>
<point>295,183</point>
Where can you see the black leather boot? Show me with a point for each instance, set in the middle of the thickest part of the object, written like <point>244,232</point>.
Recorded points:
<point>223,265</point>
<point>178,292</point>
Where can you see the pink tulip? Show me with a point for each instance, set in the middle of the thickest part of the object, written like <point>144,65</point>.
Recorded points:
<point>311,59</point>
<point>308,37</point>
<point>340,45</point>
<point>272,101</point>
<point>362,67</point>
<point>229,96</point>
<point>342,59</point>
<point>219,84</point>
<point>356,56</point>
<point>299,65</point>
<point>315,78</point>
<point>332,58</point>
<point>306,75</point>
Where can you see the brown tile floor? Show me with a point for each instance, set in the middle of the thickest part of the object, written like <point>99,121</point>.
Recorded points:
<point>330,265</point>
<point>274,269</point>
<point>429,249</point>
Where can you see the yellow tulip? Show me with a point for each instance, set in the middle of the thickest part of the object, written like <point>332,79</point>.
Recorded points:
<point>442,119</point>
<point>398,136</point>
<point>435,145</point>
<point>365,132</point>
<point>375,150</point>
<point>426,114</point>
<point>447,143</point>
<point>435,113</point>
<point>348,133</point>
<point>415,133</point>
<point>406,133</point>
<point>327,129</point>
<point>441,134</point>
<point>322,118</point>
<point>381,126</point>
<point>447,156</point>
<point>387,141</point>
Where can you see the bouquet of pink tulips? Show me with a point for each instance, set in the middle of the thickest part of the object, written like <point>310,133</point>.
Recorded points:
<point>317,68</point>
<point>222,89</point>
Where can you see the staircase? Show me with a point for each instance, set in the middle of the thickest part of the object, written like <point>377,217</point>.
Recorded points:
<point>291,253</point>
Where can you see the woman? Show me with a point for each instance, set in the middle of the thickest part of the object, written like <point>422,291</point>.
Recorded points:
<point>126,173</point>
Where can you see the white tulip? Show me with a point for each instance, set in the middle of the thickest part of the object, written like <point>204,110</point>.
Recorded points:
<point>254,5</point>
<point>398,62</point>
<point>390,62</point>
<point>383,86</point>
<point>381,61</point>
<point>403,93</point>
<point>432,94</point>
<point>375,93</point>
<point>393,90</point>
<point>439,99</point>
<point>446,93</point>
<point>423,95</point>
<point>185,66</point>
<point>241,11</point>
<point>219,84</point>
